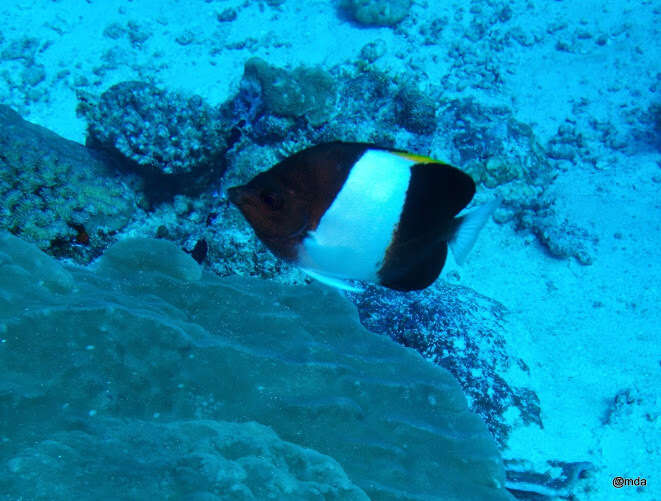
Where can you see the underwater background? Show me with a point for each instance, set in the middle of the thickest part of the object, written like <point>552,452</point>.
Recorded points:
<point>150,345</point>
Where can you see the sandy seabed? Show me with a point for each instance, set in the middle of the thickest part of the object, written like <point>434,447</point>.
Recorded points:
<point>594,330</point>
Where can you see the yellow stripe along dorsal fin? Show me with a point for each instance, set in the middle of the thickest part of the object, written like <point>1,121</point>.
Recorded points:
<point>418,159</point>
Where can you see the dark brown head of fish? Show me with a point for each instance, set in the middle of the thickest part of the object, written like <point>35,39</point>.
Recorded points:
<point>287,201</point>
<point>278,212</point>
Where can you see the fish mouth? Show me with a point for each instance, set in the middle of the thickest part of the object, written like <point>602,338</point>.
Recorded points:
<point>302,230</point>
<point>240,197</point>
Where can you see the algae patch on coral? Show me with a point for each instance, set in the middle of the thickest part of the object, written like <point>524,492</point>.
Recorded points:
<point>141,351</point>
<point>55,192</point>
<point>304,91</point>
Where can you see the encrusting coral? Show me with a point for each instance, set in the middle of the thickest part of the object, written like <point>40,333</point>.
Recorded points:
<point>144,338</point>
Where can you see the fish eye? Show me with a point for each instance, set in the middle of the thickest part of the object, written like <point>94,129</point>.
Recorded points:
<point>272,200</point>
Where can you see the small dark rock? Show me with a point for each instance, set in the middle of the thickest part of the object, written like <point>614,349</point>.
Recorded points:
<point>114,31</point>
<point>505,14</point>
<point>415,111</point>
<point>23,48</point>
<point>33,75</point>
<point>433,31</point>
<point>138,34</point>
<point>523,38</point>
<point>563,239</point>
<point>583,34</point>
<point>185,38</point>
<point>227,15</point>
<point>377,12</point>
<point>555,26</point>
<point>81,81</point>
<point>622,404</point>
<point>373,50</point>
<point>602,39</point>
<point>561,151</point>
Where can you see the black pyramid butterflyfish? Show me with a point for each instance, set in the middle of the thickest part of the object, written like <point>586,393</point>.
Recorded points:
<point>355,211</point>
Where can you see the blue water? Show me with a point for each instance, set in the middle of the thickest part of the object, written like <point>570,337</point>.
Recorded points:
<point>152,344</point>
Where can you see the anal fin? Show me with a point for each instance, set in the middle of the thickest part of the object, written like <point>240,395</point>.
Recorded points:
<point>332,282</point>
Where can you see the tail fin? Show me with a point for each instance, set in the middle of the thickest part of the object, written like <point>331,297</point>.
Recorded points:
<point>467,227</point>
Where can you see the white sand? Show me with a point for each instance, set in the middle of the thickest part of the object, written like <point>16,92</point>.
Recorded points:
<point>593,330</point>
